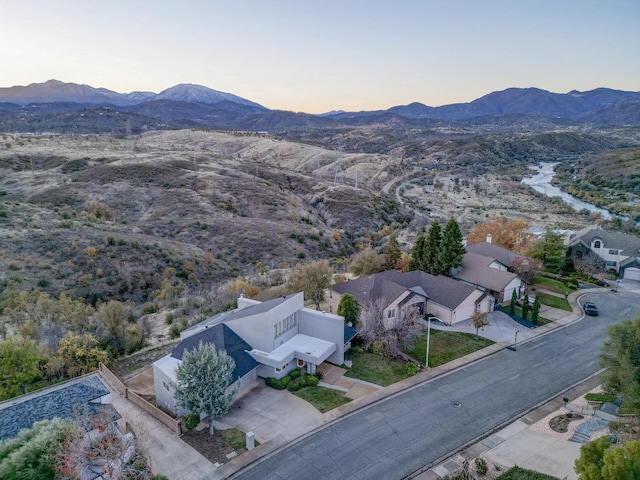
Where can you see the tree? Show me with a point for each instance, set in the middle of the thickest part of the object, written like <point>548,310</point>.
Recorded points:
<point>514,302</point>
<point>451,249</point>
<point>366,262</point>
<point>313,279</point>
<point>19,365</point>
<point>621,357</point>
<point>589,465</point>
<point>479,320</point>
<point>525,306</point>
<point>598,461</point>
<point>81,353</point>
<point>535,312</point>
<point>432,248</point>
<point>391,253</point>
<point>349,308</point>
<point>31,454</point>
<point>112,319</point>
<point>526,268</point>
<point>372,326</point>
<point>511,234</point>
<point>550,250</point>
<point>204,380</point>
<point>418,254</point>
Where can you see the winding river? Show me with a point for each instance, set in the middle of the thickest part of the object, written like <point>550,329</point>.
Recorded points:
<point>541,182</point>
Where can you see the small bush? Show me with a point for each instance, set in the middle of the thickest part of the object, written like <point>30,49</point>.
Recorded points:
<point>148,308</point>
<point>275,383</point>
<point>311,380</point>
<point>285,380</point>
<point>295,373</point>
<point>295,384</point>
<point>190,421</point>
<point>412,368</point>
<point>168,318</point>
<point>481,466</point>
<point>159,477</point>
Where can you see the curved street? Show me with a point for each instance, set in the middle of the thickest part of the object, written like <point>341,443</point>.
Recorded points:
<point>415,428</point>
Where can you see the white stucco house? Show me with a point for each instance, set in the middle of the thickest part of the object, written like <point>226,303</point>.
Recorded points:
<point>401,294</point>
<point>265,339</point>
<point>618,252</point>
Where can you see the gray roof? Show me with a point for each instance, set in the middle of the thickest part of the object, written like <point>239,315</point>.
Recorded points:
<point>391,284</point>
<point>225,340</point>
<point>629,244</point>
<point>476,270</point>
<point>501,254</point>
<point>63,401</point>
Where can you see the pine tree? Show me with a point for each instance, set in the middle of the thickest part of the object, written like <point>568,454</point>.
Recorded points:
<point>451,249</point>
<point>535,312</point>
<point>525,306</point>
<point>514,302</point>
<point>417,254</point>
<point>349,308</point>
<point>391,252</point>
<point>432,248</point>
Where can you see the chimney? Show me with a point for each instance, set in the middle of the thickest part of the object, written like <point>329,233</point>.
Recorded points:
<point>489,238</point>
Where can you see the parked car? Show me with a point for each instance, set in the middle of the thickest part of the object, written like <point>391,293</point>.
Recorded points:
<point>591,309</point>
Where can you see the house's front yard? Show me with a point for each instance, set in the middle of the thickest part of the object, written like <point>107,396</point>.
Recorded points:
<point>324,399</point>
<point>445,346</point>
<point>375,368</point>
<point>553,301</point>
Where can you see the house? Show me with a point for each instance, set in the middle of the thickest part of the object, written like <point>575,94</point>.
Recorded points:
<point>265,339</point>
<point>619,252</point>
<point>489,274</point>
<point>403,294</point>
<point>502,257</point>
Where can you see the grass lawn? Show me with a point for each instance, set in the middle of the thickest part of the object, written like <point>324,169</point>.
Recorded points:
<point>552,285</point>
<point>376,368</point>
<point>553,301</point>
<point>324,399</point>
<point>446,346</point>
<point>236,439</point>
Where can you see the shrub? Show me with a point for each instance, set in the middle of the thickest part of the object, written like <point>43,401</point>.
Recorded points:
<point>295,373</point>
<point>311,380</point>
<point>148,308</point>
<point>190,421</point>
<point>285,380</point>
<point>481,466</point>
<point>412,368</point>
<point>275,383</point>
<point>295,384</point>
<point>159,477</point>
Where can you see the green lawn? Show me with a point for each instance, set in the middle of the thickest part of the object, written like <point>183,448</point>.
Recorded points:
<point>552,285</point>
<point>376,368</point>
<point>553,301</point>
<point>236,439</point>
<point>324,399</point>
<point>446,346</point>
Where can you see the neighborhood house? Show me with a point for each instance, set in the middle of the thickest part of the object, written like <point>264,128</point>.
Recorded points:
<point>265,339</point>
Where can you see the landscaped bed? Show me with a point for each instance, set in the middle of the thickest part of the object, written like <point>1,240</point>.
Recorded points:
<point>216,447</point>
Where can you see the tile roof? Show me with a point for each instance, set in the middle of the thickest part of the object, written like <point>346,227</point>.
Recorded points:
<point>224,339</point>
<point>501,254</point>
<point>63,401</point>
<point>476,270</point>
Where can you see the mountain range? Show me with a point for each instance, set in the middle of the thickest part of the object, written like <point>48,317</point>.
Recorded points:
<point>49,106</point>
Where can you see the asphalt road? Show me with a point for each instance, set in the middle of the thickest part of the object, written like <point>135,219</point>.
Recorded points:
<point>403,433</point>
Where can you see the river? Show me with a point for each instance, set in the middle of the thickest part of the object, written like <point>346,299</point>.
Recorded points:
<point>541,182</point>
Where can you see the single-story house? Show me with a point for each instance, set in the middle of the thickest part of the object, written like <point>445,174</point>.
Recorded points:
<point>619,252</point>
<point>502,257</point>
<point>403,294</point>
<point>266,339</point>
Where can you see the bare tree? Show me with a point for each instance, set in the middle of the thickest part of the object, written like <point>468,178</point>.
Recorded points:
<point>526,268</point>
<point>372,326</point>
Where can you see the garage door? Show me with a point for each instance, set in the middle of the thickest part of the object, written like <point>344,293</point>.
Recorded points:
<point>632,273</point>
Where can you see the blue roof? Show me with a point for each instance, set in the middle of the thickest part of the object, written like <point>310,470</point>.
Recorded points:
<point>225,340</point>
<point>63,402</point>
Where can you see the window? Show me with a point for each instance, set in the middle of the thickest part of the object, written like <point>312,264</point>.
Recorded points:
<point>611,264</point>
<point>284,325</point>
<point>166,387</point>
<point>391,313</point>
<point>613,252</point>
<point>597,244</point>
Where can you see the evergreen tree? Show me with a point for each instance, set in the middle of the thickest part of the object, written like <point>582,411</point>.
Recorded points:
<point>349,308</point>
<point>391,252</point>
<point>525,306</point>
<point>417,254</point>
<point>535,312</point>
<point>432,248</point>
<point>451,249</point>
<point>514,302</point>
<point>204,382</point>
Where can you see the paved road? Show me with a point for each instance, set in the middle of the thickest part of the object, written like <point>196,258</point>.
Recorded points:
<point>405,432</point>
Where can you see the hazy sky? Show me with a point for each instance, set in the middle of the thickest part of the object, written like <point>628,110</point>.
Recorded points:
<point>320,55</point>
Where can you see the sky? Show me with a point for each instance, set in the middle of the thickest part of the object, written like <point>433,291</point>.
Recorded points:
<point>315,56</point>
